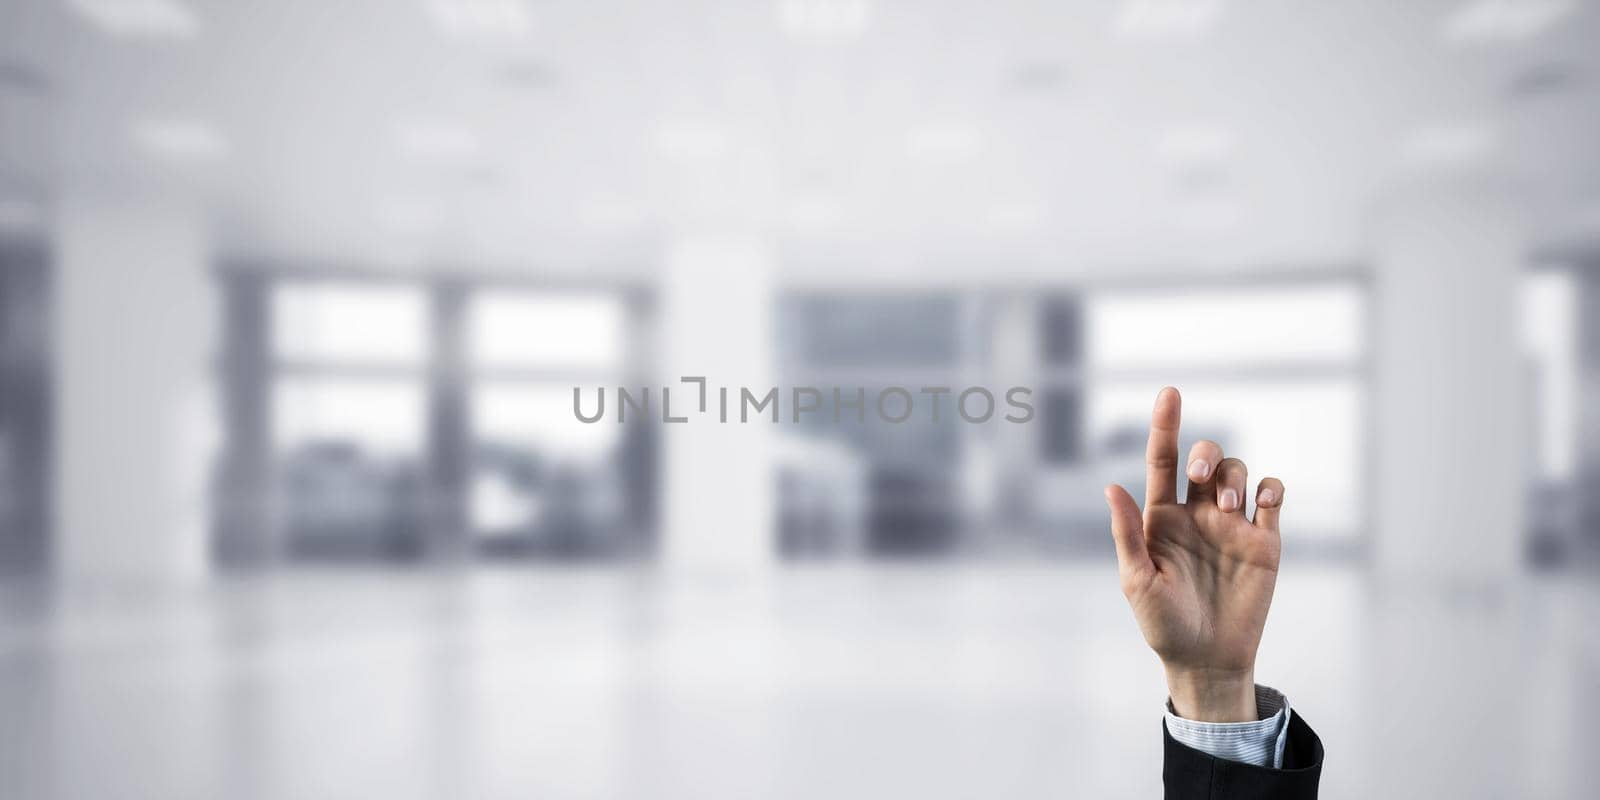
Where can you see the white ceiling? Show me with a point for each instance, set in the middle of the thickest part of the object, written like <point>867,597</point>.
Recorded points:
<point>891,136</point>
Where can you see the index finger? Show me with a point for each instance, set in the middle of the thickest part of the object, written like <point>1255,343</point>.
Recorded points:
<point>1161,455</point>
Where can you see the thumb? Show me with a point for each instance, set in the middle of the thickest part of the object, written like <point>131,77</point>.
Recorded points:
<point>1127,530</point>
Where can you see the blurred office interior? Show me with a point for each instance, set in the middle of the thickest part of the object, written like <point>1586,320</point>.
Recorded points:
<point>294,297</point>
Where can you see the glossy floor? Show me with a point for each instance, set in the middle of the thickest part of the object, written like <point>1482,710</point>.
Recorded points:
<point>947,682</point>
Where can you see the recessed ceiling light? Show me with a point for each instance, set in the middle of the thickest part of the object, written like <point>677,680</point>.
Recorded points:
<point>139,18</point>
<point>436,141</point>
<point>943,143</point>
<point>1449,146</point>
<point>1492,21</point>
<point>179,140</point>
<point>1166,19</point>
<point>691,140</point>
<point>480,18</point>
<point>824,20</point>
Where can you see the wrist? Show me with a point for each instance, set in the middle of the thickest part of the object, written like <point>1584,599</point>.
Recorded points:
<point>1210,695</point>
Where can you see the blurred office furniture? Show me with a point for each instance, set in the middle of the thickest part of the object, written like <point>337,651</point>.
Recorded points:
<point>341,503</point>
<point>823,489</point>
<point>524,506</point>
<point>915,511</point>
<point>1554,534</point>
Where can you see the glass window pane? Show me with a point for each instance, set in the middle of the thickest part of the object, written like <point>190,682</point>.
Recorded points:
<point>551,331</point>
<point>1306,433</point>
<point>1315,324</point>
<point>376,417</point>
<point>538,418</point>
<point>348,322</point>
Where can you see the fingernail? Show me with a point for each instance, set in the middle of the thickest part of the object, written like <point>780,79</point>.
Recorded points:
<point>1229,500</point>
<point>1266,497</point>
<point>1199,469</point>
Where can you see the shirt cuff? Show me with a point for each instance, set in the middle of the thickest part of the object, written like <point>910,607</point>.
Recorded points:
<point>1260,743</point>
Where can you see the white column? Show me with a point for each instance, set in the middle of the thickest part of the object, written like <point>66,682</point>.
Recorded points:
<point>1448,386</point>
<point>134,420</point>
<point>716,321</point>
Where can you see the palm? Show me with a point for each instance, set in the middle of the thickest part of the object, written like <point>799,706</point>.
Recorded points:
<point>1199,574</point>
<point>1206,601</point>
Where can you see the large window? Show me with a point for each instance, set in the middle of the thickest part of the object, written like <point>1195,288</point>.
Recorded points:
<point>407,414</point>
<point>1275,374</point>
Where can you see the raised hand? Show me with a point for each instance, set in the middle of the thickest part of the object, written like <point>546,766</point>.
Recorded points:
<point>1199,574</point>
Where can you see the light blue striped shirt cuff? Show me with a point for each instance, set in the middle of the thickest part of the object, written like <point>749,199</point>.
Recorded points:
<point>1260,743</point>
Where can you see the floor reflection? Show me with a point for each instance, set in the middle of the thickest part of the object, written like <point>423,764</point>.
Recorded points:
<point>818,682</point>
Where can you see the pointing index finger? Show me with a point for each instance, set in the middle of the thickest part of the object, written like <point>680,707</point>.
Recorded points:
<point>1161,455</point>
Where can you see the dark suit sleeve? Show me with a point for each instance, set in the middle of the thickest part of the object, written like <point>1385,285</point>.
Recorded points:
<point>1189,774</point>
